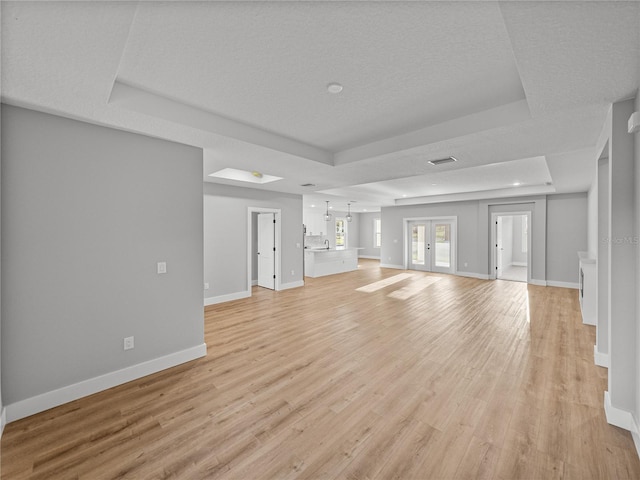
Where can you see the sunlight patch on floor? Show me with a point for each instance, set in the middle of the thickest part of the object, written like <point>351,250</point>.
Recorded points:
<point>414,288</point>
<point>373,287</point>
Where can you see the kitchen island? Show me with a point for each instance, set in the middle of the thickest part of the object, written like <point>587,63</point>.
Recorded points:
<point>319,262</point>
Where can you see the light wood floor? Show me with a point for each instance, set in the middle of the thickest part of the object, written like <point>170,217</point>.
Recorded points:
<point>431,377</point>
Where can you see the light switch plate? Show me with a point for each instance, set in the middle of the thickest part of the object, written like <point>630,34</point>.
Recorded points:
<point>162,267</point>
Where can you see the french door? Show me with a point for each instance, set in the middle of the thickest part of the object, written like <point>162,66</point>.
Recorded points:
<point>431,245</point>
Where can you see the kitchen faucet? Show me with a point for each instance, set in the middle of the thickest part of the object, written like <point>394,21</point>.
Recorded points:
<point>326,243</point>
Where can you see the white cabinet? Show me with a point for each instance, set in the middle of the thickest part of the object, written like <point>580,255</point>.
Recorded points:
<point>315,223</point>
<point>587,292</point>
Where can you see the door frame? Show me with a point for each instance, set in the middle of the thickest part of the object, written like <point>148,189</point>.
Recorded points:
<point>277,257</point>
<point>454,238</point>
<point>494,234</point>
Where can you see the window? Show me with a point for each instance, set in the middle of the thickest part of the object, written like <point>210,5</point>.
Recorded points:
<point>377,233</point>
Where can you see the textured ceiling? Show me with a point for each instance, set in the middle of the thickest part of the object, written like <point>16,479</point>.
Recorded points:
<point>492,83</point>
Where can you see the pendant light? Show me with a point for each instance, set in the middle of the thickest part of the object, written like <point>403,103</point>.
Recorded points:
<point>327,216</point>
<point>349,217</point>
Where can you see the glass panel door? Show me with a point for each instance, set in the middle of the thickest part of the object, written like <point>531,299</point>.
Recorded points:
<point>442,244</point>
<point>418,246</point>
<point>431,246</point>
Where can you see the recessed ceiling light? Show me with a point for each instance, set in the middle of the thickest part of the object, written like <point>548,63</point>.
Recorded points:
<point>516,184</point>
<point>364,209</point>
<point>244,176</point>
<point>334,88</point>
<point>313,206</point>
<point>404,194</point>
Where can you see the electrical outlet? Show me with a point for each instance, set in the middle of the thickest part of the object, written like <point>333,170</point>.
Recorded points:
<point>162,267</point>
<point>465,264</point>
<point>206,286</point>
<point>293,272</point>
<point>128,343</point>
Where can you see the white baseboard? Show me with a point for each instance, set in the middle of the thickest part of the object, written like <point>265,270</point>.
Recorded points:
<point>389,265</point>
<point>553,283</point>
<point>636,442</point>
<point>226,298</point>
<point>45,401</point>
<point>540,283</point>
<point>254,283</point>
<point>481,276</point>
<point>600,359</point>
<point>296,284</point>
<point>618,417</point>
<point>519,264</point>
<point>3,420</point>
<point>372,257</point>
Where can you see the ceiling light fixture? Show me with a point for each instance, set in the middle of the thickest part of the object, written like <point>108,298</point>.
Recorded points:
<point>256,174</point>
<point>327,216</point>
<point>516,184</point>
<point>349,217</point>
<point>334,88</point>
<point>443,160</point>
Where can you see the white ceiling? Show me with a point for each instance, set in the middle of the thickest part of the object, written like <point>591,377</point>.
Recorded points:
<point>512,89</point>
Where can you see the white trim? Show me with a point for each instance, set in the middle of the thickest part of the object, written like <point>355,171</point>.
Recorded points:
<point>519,264</point>
<point>45,401</point>
<point>226,298</point>
<point>254,283</point>
<point>389,265</point>
<point>480,276</point>
<point>372,257</point>
<point>296,284</point>
<point>553,283</point>
<point>600,359</point>
<point>540,283</point>
<point>618,417</point>
<point>3,420</point>
<point>636,441</point>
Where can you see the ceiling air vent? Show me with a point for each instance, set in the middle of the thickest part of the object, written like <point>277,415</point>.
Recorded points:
<point>443,160</point>
<point>308,185</point>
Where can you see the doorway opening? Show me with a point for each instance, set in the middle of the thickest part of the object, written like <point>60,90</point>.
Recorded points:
<point>430,244</point>
<point>512,246</point>
<point>263,251</point>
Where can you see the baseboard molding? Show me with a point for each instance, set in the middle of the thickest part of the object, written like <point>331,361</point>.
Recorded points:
<point>553,283</point>
<point>372,257</point>
<point>226,298</point>
<point>296,284</point>
<point>636,442</point>
<point>45,401</point>
<point>519,264</point>
<point>618,417</point>
<point>480,276</point>
<point>600,359</point>
<point>3,420</point>
<point>540,283</point>
<point>389,265</point>
<point>254,283</point>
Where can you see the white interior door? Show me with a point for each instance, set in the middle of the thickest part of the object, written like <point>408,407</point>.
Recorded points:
<point>431,246</point>
<point>266,250</point>
<point>499,248</point>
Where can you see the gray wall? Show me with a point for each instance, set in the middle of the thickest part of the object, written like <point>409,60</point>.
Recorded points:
<point>566,235</point>
<point>392,250</point>
<point>637,237</point>
<point>226,236</point>
<point>473,237</point>
<point>366,234</point>
<point>87,212</point>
